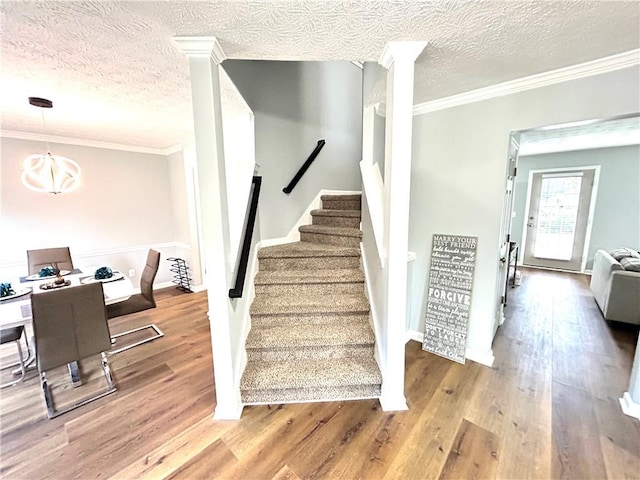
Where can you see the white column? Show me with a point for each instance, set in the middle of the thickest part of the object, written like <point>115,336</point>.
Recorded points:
<point>630,401</point>
<point>205,55</point>
<point>398,58</point>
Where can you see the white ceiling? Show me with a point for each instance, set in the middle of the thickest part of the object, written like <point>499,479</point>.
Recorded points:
<point>115,75</point>
<point>581,136</point>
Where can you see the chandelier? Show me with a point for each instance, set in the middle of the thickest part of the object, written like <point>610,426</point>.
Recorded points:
<point>47,172</point>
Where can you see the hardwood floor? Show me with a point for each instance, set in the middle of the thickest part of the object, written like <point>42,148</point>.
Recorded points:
<point>547,409</point>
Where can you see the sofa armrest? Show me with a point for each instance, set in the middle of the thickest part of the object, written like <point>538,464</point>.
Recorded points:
<point>623,299</point>
<point>603,265</point>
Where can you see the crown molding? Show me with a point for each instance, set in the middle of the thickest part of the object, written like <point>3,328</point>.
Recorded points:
<point>36,137</point>
<point>574,72</point>
<point>360,65</point>
<point>406,51</point>
<point>201,47</point>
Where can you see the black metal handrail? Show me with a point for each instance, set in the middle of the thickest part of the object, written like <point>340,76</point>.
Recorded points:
<point>304,167</point>
<point>236,291</point>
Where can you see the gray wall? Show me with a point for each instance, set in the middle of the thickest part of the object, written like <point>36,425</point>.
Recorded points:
<point>616,219</point>
<point>123,205</point>
<point>458,175</point>
<point>295,105</point>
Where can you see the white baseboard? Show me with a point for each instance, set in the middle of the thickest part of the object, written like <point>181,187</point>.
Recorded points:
<point>228,412</point>
<point>393,403</point>
<point>194,288</point>
<point>629,407</point>
<point>485,358</point>
<point>415,335</point>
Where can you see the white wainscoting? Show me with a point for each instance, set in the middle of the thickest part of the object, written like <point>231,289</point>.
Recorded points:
<point>122,259</point>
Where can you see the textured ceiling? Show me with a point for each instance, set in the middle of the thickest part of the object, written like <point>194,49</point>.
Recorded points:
<point>115,75</point>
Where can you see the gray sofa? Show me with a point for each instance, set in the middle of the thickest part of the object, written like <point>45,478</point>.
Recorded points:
<point>616,290</point>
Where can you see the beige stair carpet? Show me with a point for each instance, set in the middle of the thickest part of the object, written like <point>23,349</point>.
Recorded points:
<point>310,337</point>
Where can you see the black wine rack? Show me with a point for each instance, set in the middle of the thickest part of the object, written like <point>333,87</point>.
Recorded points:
<point>181,274</point>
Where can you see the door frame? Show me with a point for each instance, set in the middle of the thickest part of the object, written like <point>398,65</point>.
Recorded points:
<point>592,204</point>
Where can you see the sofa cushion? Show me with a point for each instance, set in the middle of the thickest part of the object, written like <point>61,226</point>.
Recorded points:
<point>620,253</point>
<point>630,264</point>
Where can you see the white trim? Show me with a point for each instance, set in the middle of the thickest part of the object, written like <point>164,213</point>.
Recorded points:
<point>36,137</point>
<point>201,47</point>
<point>110,251</point>
<point>373,186</point>
<point>393,404</point>
<point>629,407</point>
<point>415,335</point>
<point>484,358</point>
<point>588,231</point>
<point>373,313</point>
<point>405,50</point>
<point>228,412</point>
<point>360,65</point>
<point>573,72</point>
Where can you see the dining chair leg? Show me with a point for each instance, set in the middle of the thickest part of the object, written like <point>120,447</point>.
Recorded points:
<point>107,371</point>
<point>48,398</point>
<point>76,375</point>
<point>20,371</point>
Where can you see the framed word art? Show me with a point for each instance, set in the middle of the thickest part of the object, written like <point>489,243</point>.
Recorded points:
<point>453,261</point>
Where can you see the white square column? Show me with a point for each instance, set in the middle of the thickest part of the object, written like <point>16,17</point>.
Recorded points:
<point>399,59</point>
<point>205,55</point>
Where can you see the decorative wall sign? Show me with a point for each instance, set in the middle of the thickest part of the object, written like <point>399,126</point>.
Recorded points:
<point>453,261</point>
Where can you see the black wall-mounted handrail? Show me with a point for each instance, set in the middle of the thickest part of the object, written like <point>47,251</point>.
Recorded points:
<point>236,291</point>
<point>304,167</point>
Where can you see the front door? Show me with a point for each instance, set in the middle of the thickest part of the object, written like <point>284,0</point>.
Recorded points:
<point>559,209</point>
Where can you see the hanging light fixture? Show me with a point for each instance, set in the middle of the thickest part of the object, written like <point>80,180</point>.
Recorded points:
<point>47,172</point>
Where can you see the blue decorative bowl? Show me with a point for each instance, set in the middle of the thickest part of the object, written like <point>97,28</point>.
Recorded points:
<point>47,272</point>
<point>6,290</point>
<point>102,273</point>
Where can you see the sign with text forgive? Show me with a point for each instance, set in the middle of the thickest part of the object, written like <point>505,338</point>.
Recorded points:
<point>453,261</point>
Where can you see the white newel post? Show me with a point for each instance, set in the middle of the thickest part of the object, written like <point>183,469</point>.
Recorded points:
<point>205,55</point>
<point>399,59</point>
<point>630,401</point>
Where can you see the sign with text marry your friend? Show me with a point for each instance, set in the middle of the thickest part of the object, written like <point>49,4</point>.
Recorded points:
<point>453,261</point>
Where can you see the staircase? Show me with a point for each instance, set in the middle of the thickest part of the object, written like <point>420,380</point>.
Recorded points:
<point>310,338</point>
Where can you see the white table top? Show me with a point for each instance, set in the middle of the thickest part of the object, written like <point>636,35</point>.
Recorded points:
<point>16,312</point>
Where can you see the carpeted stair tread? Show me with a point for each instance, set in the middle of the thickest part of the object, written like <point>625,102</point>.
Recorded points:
<point>336,213</point>
<point>266,304</point>
<point>306,250</point>
<point>345,198</point>
<point>298,336</point>
<point>341,275</point>
<point>281,354</point>
<point>311,320</point>
<point>340,372</point>
<point>327,230</point>
<point>307,394</point>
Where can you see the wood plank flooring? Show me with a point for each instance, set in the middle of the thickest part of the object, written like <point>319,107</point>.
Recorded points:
<point>548,408</point>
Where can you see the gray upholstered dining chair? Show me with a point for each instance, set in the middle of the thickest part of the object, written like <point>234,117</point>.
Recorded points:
<point>46,257</point>
<point>138,303</point>
<point>9,335</point>
<point>69,325</point>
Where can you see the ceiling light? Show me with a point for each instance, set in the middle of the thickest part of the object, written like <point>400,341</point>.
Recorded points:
<point>47,172</point>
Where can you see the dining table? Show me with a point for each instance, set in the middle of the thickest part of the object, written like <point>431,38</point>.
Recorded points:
<point>15,311</point>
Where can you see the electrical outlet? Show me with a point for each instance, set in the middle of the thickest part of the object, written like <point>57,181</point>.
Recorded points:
<point>132,273</point>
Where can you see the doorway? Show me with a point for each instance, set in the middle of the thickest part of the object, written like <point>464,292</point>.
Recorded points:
<point>558,215</point>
